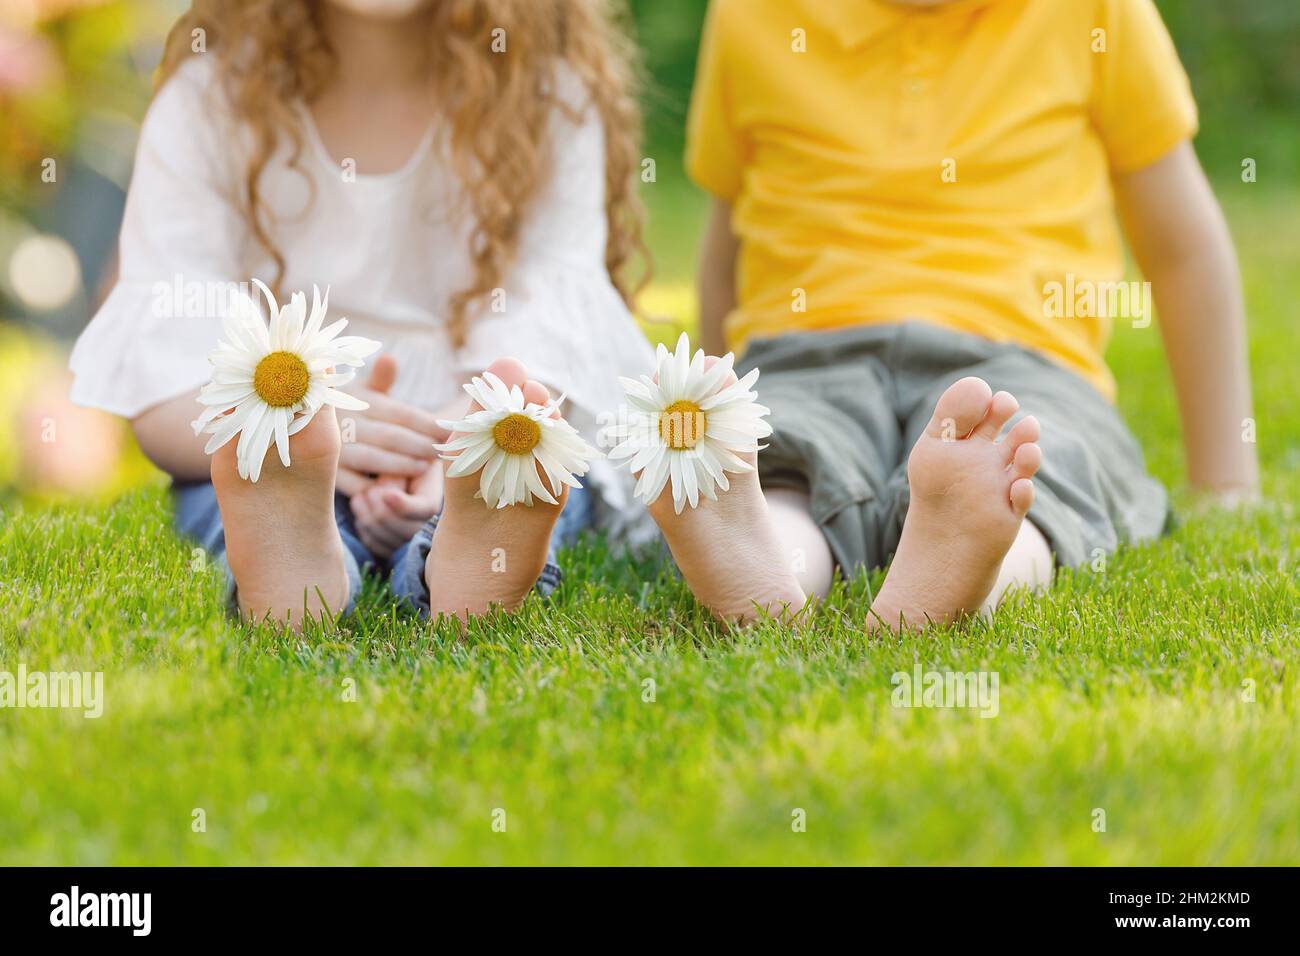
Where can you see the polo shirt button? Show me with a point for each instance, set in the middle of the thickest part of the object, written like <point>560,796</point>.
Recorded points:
<point>915,86</point>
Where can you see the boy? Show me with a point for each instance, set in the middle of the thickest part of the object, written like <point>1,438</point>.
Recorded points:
<point>901,190</point>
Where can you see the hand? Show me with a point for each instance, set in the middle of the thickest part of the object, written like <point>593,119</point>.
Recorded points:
<point>392,509</point>
<point>391,437</point>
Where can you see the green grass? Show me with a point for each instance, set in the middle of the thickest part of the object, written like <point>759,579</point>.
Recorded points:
<point>1120,690</point>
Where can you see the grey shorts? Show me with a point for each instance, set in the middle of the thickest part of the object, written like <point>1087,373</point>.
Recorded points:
<point>848,405</point>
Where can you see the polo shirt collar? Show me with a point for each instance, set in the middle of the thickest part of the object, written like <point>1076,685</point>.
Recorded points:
<point>856,22</point>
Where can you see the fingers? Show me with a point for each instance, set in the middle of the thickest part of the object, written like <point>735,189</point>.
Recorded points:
<point>402,414</point>
<point>394,438</point>
<point>429,485</point>
<point>405,507</point>
<point>388,516</point>
<point>385,409</point>
<point>378,530</point>
<point>383,373</point>
<point>351,482</point>
<point>371,460</point>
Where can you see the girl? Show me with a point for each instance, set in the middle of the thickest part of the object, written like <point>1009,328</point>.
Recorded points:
<point>460,174</point>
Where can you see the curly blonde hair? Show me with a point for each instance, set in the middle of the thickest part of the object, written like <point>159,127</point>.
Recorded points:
<point>274,54</point>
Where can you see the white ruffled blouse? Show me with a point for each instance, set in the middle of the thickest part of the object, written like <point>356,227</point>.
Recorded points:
<point>390,247</point>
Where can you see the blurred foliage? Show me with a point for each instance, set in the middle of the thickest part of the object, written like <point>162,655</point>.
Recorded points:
<point>1244,61</point>
<point>70,62</point>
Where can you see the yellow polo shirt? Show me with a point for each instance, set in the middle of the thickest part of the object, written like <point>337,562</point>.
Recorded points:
<point>949,163</point>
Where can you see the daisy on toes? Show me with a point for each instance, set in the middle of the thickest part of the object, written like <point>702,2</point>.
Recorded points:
<point>267,383</point>
<point>278,383</point>
<point>511,462</point>
<point>512,443</point>
<point>688,426</point>
<point>692,436</point>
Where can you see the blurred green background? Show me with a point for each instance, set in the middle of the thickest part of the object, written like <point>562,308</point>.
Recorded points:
<point>75,80</point>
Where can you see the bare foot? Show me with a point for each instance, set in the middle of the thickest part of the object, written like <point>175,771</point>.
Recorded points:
<point>728,550</point>
<point>485,556</point>
<point>969,494</point>
<point>282,540</point>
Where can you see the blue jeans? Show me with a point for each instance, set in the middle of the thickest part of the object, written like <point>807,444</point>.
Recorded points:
<point>198,516</point>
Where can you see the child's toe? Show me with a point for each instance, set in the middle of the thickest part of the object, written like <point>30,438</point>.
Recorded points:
<point>1001,407</point>
<point>511,371</point>
<point>1028,458</point>
<point>1025,430</point>
<point>535,393</point>
<point>960,409</point>
<point>1022,496</point>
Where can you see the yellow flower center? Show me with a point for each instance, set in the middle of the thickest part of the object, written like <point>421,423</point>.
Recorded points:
<point>682,425</point>
<point>517,434</point>
<point>281,379</point>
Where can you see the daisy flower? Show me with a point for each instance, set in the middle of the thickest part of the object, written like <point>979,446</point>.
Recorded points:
<point>268,383</point>
<point>508,439</point>
<point>684,427</point>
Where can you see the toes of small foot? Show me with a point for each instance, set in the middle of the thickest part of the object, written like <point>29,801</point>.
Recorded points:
<point>960,408</point>
<point>1022,496</point>
<point>1028,457</point>
<point>536,393</point>
<point>1001,407</point>
<point>1025,430</point>
<point>511,371</point>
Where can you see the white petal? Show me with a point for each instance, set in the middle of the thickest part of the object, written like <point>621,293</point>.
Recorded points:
<point>513,480</point>
<point>707,485</point>
<point>224,429</point>
<point>282,435</point>
<point>675,471</point>
<point>473,457</point>
<point>690,485</point>
<point>709,382</point>
<point>301,422</point>
<point>710,463</point>
<point>260,445</point>
<point>343,400</point>
<point>243,450</point>
<point>734,392</point>
<point>534,483</point>
<point>645,455</point>
<point>292,320</point>
<point>489,486</point>
<point>319,308</point>
<point>653,479</point>
<point>224,395</point>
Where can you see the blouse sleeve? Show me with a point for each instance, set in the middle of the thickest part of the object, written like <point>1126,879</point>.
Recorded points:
<point>179,254</point>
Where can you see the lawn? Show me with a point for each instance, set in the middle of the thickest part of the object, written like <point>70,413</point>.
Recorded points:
<point>619,725</point>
